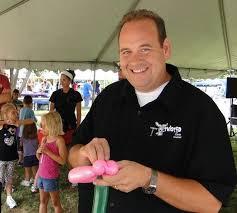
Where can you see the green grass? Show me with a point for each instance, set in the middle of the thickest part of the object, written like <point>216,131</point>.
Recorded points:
<point>29,202</point>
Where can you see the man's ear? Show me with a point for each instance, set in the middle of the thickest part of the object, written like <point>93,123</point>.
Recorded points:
<point>167,48</point>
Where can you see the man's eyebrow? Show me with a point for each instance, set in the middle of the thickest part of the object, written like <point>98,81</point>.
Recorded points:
<point>123,49</point>
<point>145,45</point>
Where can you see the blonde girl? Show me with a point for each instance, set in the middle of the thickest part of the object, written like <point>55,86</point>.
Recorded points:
<point>8,148</point>
<point>51,153</point>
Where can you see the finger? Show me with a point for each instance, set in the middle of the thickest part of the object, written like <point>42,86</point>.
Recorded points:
<point>98,148</point>
<point>92,155</point>
<point>101,182</point>
<point>114,180</point>
<point>122,188</point>
<point>122,163</point>
<point>106,149</point>
<point>99,152</point>
<point>102,148</point>
<point>106,153</point>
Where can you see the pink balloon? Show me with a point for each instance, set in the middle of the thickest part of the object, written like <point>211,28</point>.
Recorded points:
<point>88,174</point>
<point>99,167</point>
<point>112,168</point>
<point>83,174</point>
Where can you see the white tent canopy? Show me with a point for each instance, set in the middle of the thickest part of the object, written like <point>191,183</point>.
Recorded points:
<point>82,34</point>
<point>100,75</point>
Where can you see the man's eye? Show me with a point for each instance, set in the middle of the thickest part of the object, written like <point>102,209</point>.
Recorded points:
<point>124,53</point>
<point>145,50</point>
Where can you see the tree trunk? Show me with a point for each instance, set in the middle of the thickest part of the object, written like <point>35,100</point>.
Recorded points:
<point>23,85</point>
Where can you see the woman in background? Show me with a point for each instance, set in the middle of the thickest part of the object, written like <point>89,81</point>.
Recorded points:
<point>65,100</point>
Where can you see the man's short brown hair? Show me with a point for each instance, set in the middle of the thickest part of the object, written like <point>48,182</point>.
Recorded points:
<point>145,14</point>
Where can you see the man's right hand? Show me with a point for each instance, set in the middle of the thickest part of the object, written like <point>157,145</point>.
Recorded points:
<point>96,149</point>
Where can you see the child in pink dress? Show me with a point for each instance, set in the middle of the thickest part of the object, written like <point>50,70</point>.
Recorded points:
<point>51,153</point>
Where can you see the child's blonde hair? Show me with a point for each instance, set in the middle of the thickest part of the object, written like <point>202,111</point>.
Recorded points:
<point>6,108</point>
<point>53,123</point>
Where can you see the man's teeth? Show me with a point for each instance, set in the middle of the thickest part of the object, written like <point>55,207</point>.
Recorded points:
<point>138,70</point>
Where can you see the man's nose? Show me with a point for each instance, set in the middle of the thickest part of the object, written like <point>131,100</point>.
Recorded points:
<point>136,57</point>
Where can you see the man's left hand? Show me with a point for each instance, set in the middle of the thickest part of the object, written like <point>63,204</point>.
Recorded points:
<point>131,175</point>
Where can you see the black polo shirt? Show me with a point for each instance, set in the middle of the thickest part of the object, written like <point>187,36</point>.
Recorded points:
<point>181,133</point>
<point>65,104</point>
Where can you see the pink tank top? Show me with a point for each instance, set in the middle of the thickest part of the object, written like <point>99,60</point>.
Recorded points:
<point>48,168</point>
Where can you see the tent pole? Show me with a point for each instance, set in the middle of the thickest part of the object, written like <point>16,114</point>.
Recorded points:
<point>15,77</point>
<point>23,85</point>
<point>13,7</point>
<point>225,34</point>
<point>93,68</point>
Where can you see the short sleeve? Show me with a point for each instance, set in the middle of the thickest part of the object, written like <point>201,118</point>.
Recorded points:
<point>53,97</point>
<point>78,97</point>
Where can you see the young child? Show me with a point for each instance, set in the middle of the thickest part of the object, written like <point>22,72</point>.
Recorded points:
<point>30,146</point>
<point>51,153</point>
<point>40,136</point>
<point>26,112</point>
<point>8,148</point>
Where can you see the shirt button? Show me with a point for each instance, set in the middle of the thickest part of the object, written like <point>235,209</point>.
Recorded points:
<point>139,112</point>
<point>111,204</point>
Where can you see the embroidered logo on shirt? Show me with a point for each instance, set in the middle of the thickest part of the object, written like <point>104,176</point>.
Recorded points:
<point>160,129</point>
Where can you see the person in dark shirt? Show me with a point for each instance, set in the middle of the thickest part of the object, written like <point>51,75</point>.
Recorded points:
<point>168,137</point>
<point>65,101</point>
<point>18,103</point>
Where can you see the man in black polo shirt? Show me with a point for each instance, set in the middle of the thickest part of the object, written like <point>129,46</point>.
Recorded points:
<point>169,138</point>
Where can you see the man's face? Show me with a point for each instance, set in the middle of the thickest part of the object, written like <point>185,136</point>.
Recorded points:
<point>142,59</point>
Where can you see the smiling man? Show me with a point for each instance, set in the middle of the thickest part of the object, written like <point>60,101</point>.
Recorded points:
<point>169,138</point>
